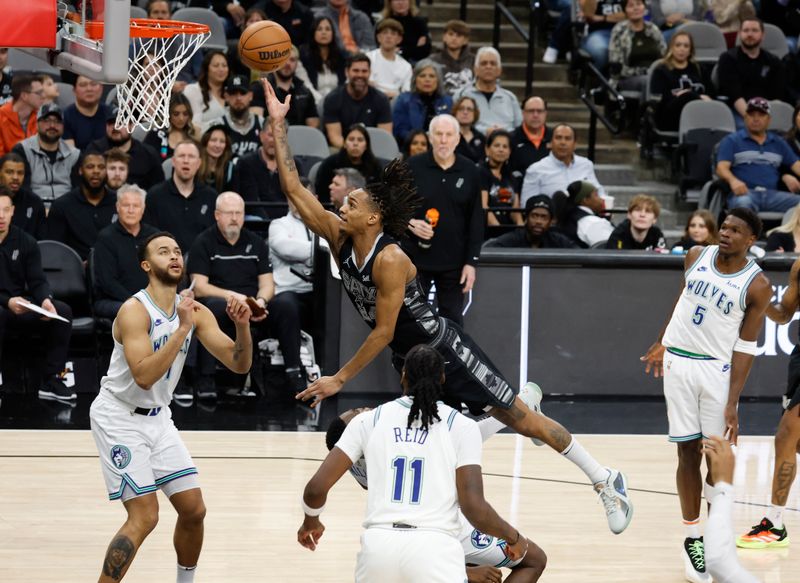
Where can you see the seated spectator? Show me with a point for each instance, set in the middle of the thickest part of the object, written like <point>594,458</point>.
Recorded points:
<point>750,161</point>
<point>416,143</point>
<point>793,135</point>
<point>285,81</point>
<point>235,65</point>
<point>668,15</point>
<point>291,252</point>
<point>117,275</point>
<point>784,238</point>
<point>416,42</point>
<point>499,108</point>
<point>356,153</point>
<point>560,168</point>
<point>537,234</point>
<point>29,213</point>
<point>182,204</point>
<point>5,77</point>
<point>22,279</point>
<point>600,16</point>
<point>18,115</point>
<point>749,71</point>
<point>633,47</point>
<point>357,35</point>
<point>240,124</point>
<point>639,230</point>
<point>117,168</point>
<point>414,110</point>
<point>355,102</point>
<point>217,163</point>
<point>701,229</point>
<point>144,168</point>
<point>259,180</point>
<point>181,128</point>
<point>455,57</point>
<point>677,79</point>
<point>51,90</point>
<point>293,16</point>
<point>48,158</point>
<point>729,15</point>
<point>561,38</point>
<point>207,97</point>
<point>345,181</point>
<point>580,218</point>
<point>389,72</point>
<point>530,142</point>
<point>498,187</point>
<point>85,120</point>
<point>323,58</point>
<point>471,142</point>
<point>227,261</point>
<point>76,218</point>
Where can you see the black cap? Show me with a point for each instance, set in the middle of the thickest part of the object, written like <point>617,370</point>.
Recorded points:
<point>540,201</point>
<point>237,83</point>
<point>112,114</point>
<point>50,109</point>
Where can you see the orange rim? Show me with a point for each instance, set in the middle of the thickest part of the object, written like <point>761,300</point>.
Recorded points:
<point>150,28</point>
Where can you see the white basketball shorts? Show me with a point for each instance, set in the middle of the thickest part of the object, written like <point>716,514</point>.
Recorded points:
<point>139,454</point>
<point>390,555</point>
<point>696,392</point>
<point>482,549</point>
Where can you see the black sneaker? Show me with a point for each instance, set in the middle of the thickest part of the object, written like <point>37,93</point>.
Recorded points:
<point>763,535</point>
<point>206,387</point>
<point>694,560</point>
<point>183,395</point>
<point>54,389</point>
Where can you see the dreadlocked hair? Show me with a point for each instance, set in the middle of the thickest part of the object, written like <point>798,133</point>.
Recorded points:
<point>396,197</point>
<point>424,368</point>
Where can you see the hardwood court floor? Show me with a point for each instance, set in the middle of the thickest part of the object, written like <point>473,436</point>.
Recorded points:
<point>55,519</point>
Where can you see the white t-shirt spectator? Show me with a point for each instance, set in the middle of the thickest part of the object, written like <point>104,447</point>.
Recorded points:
<point>389,76</point>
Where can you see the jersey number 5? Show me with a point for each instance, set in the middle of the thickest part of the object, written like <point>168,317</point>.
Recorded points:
<point>699,314</point>
<point>398,486</point>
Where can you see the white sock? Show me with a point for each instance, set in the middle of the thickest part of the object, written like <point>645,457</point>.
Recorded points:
<point>775,515</point>
<point>489,426</point>
<point>692,527</point>
<point>581,458</point>
<point>186,574</point>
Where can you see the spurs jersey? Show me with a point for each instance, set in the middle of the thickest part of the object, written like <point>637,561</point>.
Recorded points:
<point>412,472</point>
<point>119,380</point>
<point>709,313</point>
<point>416,321</point>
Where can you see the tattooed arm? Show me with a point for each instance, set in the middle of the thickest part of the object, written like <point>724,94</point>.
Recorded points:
<point>237,354</point>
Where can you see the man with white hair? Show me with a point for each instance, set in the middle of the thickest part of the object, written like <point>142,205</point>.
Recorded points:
<point>227,261</point>
<point>499,108</point>
<point>345,181</point>
<point>448,227</point>
<point>115,261</point>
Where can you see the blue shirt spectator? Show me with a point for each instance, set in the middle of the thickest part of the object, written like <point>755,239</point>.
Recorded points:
<point>414,110</point>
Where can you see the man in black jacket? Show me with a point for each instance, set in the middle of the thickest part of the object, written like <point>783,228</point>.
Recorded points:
<point>76,218</point>
<point>22,282</point>
<point>639,230</point>
<point>258,179</point>
<point>29,213</point>
<point>116,272</point>
<point>530,142</point>
<point>537,234</point>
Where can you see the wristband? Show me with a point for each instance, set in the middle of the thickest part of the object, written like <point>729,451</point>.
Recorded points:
<point>311,511</point>
<point>746,346</point>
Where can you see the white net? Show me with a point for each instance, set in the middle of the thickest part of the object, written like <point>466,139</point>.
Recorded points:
<point>155,63</point>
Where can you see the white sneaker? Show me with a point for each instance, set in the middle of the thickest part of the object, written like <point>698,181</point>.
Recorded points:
<point>531,395</point>
<point>694,561</point>
<point>550,56</point>
<point>614,494</point>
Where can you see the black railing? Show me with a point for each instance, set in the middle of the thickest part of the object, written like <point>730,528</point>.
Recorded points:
<point>596,91</point>
<point>529,35</point>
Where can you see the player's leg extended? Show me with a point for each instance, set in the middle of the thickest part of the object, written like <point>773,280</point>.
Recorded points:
<point>142,519</point>
<point>188,538</point>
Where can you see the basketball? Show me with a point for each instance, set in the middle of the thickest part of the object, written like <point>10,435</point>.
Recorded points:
<point>264,46</point>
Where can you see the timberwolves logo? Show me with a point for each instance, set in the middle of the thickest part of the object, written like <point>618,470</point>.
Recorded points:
<point>121,456</point>
<point>480,540</point>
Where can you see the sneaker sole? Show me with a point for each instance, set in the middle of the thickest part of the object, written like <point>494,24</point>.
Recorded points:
<point>54,397</point>
<point>778,544</point>
<point>689,572</point>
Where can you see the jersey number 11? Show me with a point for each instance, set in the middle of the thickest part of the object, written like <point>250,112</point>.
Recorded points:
<point>415,469</point>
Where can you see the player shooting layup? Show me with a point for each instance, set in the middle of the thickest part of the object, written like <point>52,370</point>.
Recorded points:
<point>140,449</point>
<point>382,283</point>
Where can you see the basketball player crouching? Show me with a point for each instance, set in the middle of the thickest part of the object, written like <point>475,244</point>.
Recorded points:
<point>140,449</point>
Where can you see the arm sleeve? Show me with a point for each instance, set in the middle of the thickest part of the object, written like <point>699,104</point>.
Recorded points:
<point>330,109</point>
<point>195,97</point>
<point>384,112</point>
<point>476,224</point>
<point>34,273</point>
<point>199,260</point>
<point>105,269</point>
<point>466,440</point>
<point>401,120</point>
<point>353,441</point>
<point>729,83</point>
<point>287,247</point>
<point>264,265</point>
<point>530,186</point>
<point>56,224</point>
<point>720,550</point>
<point>725,150</point>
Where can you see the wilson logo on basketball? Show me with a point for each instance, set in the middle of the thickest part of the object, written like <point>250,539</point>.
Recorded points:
<point>269,55</point>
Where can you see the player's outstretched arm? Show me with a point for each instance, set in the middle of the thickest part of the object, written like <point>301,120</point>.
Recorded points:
<point>237,355</point>
<point>131,329</point>
<point>315,494</point>
<point>783,311</point>
<point>314,215</point>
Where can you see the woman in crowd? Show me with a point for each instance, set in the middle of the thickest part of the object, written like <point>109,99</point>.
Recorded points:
<point>216,163</point>
<point>416,108</point>
<point>472,143</point>
<point>633,47</point>
<point>786,238</point>
<point>416,143</point>
<point>668,15</point>
<point>701,229</point>
<point>323,58</point>
<point>498,188</point>
<point>206,96</point>
<point>416,42</point>
<point>356,153</point>
<point>678,80</point>
<point>180,128</point>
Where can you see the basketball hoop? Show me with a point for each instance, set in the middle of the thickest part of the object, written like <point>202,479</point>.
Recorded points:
<point>158,51</point>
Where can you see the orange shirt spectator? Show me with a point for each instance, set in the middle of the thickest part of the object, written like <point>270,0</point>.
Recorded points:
<point>27,96</point>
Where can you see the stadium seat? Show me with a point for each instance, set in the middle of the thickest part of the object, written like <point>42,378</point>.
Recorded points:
<point>384,146</point>
<point>651,135</point>
<point>19,60</point>
<point>312,174</point>
<point>166,165</point>
<point>138,12</point>
<point>217,40</point>
<point>709,42</point>
<point>782,116</point>
<point>308,142</point>
<point>66,95</point>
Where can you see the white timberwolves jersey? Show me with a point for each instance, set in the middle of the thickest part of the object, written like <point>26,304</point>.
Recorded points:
<point>709,313</point>
<point>119,380</point>
<point>412,473</point>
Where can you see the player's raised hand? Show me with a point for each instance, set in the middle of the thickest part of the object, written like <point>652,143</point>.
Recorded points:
<point>519,549</point>
<point>277,109</point>
<point>484,574</point>
<point>721,457</point>
<point>320,389</point>
<point>654,359</point>
<point>310,532</point>
<point>238,310</point>
<point>186,309</point>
